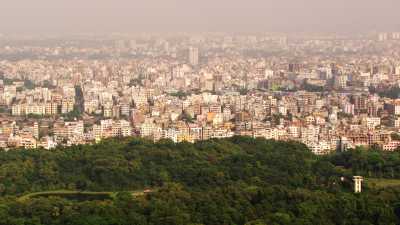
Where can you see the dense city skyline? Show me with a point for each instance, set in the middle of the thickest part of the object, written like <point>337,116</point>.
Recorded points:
<point>176,15</point>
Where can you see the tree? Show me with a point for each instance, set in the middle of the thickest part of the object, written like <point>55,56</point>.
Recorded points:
<point>238,180</point>
<point>28,84</point>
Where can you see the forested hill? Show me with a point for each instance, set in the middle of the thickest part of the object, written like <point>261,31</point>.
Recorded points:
<point>230,181</point>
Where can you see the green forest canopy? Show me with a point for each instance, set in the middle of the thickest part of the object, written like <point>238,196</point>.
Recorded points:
<point>239,180</point>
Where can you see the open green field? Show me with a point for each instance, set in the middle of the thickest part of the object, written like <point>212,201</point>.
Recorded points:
<point>77,195</point>
<point>382,183</point>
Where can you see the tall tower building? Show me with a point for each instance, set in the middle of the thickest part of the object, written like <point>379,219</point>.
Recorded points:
<point>341,81</point>
<point>357,183</point>
<point>193,56</point>
<point>120,44</point>
<point>397,70</point>
<point>383,37</point>
<point>133,44</point>
<point>36,130</point>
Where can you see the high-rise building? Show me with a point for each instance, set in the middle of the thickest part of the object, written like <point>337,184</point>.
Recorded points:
<point>36,130</point>
<point>133,44</point>
<point>360,103</point>
<point>341,81</point>
<point>120,44</point>
<point>397,70</point>
<point>283,40</point>
<point>193,56</point>
<point>383,37</point>
<point>396,35</point>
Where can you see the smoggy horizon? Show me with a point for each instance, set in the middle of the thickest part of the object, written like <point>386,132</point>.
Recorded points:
<point>73,16</point>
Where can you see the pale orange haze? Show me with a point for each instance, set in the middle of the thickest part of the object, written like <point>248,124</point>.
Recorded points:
<point>35,16</point>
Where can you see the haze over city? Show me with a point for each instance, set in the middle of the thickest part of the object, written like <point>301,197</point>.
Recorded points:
<point>73,16</point>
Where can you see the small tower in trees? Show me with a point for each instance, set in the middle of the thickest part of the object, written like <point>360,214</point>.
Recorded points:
<point>357,183</point>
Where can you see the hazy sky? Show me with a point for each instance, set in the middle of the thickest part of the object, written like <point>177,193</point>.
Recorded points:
<point>39,16</point>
